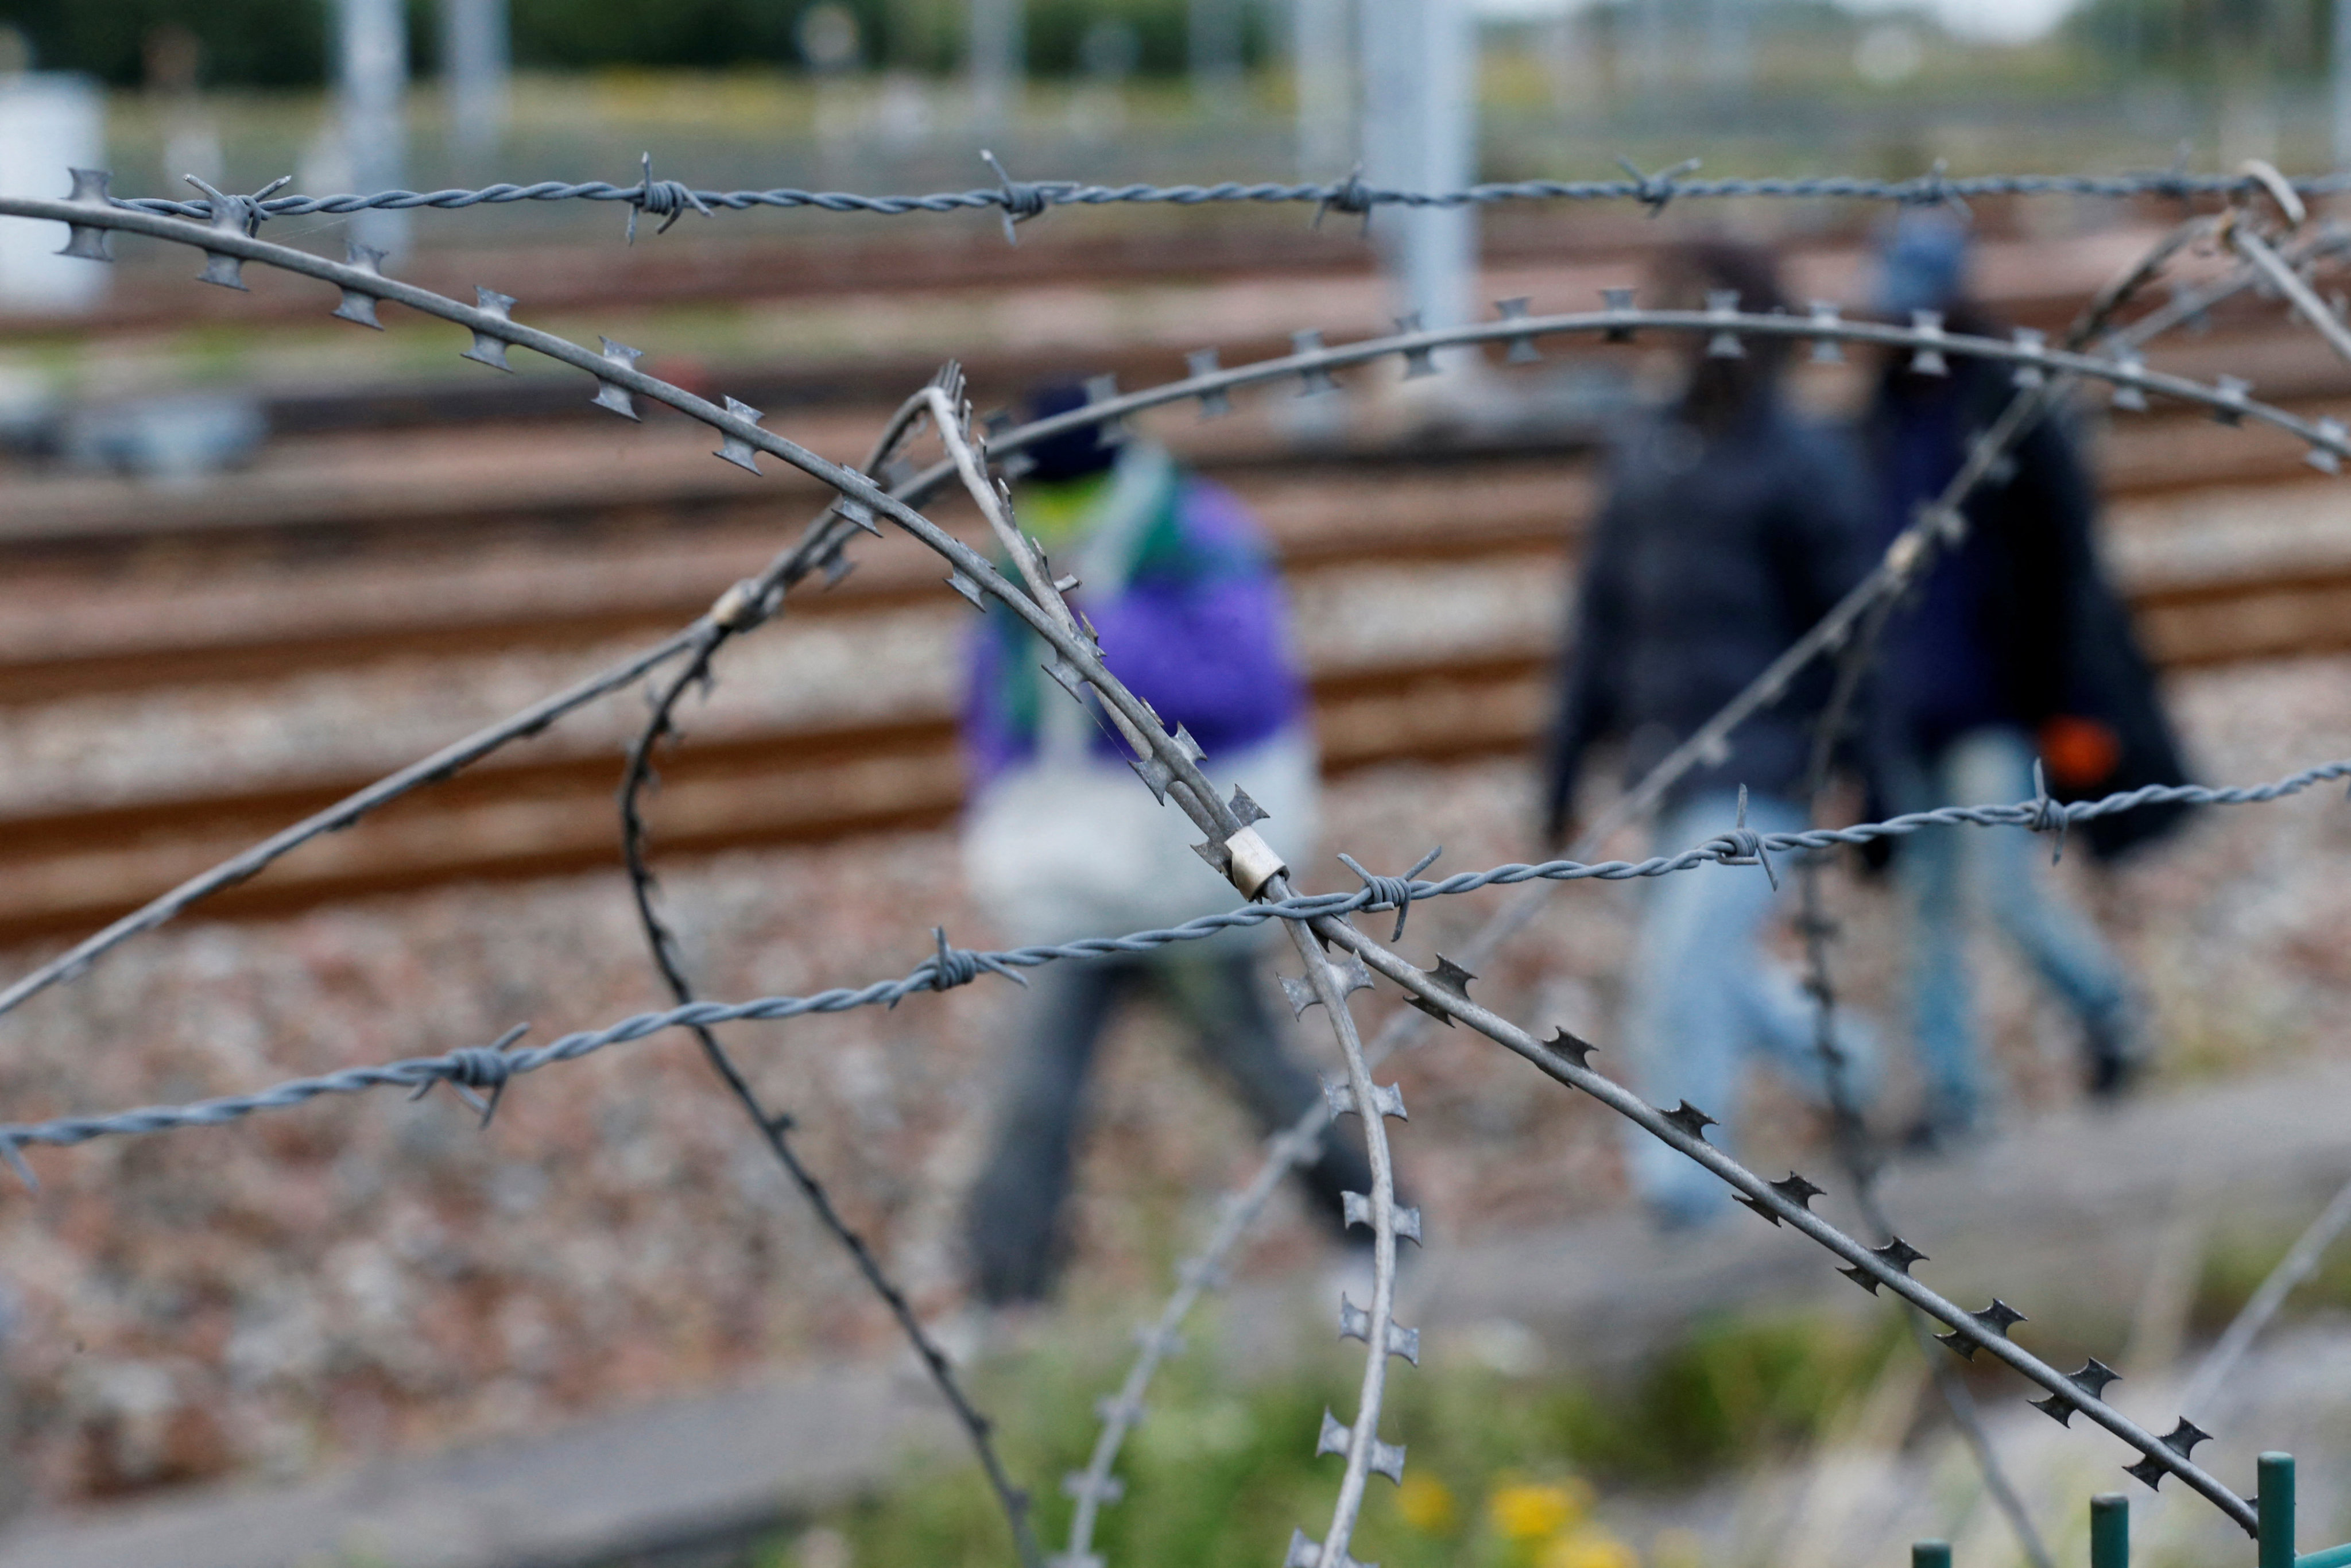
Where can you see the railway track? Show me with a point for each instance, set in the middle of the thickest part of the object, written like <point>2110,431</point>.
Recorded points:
<point>622,549</point>
<point>423,539</point>
<point>517,817</point>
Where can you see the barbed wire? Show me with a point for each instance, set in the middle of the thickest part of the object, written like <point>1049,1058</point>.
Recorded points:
<point>1169,762</point>
<point>491,1068</point>
<point>2034,397</point>
<point>1851,1137</point>
<point>90,219</point>
<point>952,967</point>
<point>775,1126</point>
<point>1242,1209</point>
<point>1021,199</point>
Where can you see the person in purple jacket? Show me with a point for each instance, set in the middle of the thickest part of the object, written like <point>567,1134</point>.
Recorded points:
<point>1062,841</point>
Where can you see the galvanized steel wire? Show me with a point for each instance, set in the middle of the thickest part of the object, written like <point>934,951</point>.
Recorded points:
<point>1020,200</point>
<point>1169,763</point>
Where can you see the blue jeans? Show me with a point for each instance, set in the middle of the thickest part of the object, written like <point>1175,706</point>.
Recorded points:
<point>1706,997</point>
<point>1950,876</point>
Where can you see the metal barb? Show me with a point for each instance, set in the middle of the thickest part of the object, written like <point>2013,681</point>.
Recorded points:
<point>1392,892</point>
<point>1020,202</point>
<point>1897,1255</point>
<point>357,306</point>
<point>611,394</point>
<point>1996,1319</point>
<point>1655,191</point>
<point>2048,816</point>
<point>1350,195</point>
<point>89,242</point>
<point>1575,1050</point>
<point>668,200</point>
<point>1520,350</point>
<point>1690,1120</point>
<point>1447,977</point>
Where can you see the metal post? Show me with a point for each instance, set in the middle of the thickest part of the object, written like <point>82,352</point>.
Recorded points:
<point>2341,63</point>
<point>1419,120</point>
<point>2273,1475</point>
<point>2110,1531</point>
<point>998,60</point>
<point>1729,45</point>
<point>49,122</point>
<point>372,58</point>
<point>1319,60</point>
<point>15,1491</point>
<point>1646,53</point>
<point>1212,52</point>
<point>475,63</point>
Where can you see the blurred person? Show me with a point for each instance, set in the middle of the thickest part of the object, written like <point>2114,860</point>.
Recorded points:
<point>2013,648</point>
<point>1062,841</point>
<point>1730,527</point>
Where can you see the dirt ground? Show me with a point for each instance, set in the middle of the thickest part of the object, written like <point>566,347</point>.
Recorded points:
<point>362,1275</point>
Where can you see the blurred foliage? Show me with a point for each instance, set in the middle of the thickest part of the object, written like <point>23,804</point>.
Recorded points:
<point>2235,1264</point>
<point>1502,1473</point>
<point>283,43</point>
<point>2204,40</point>
<point>257,43</point>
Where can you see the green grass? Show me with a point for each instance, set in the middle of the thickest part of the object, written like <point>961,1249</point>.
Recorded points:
<point>2235,1264</point>
<point>1219,1473</point>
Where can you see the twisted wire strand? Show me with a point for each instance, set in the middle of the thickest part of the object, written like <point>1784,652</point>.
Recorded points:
<point>775,1127</point>
<point>1359,1440</point>
<point>1169,762</point>
<point>1850,1133</point>
<point>666,198</point>
<point>930,975</point>
<point>1243,1208</point>
<point>479,1066</point>
<point>1784,1203</point>
<point>91,216</point>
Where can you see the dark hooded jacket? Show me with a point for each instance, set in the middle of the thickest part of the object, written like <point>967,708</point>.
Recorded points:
<point>2019,625</point>
<point>1711,556</point>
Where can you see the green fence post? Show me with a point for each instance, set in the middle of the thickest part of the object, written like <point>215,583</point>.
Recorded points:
<point>1930,1554</point>
<point>2275,1505</point>
<point>2110,1531</point>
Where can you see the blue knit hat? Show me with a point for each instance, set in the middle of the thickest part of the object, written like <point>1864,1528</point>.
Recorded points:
<point>1922,262</point>
<point>1076,453</point>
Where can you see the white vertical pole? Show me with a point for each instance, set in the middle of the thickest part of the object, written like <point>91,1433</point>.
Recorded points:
<point>997,61</point>
<point>1212,52</point>
<point>372,56</point>
<point>1320,57</point>
<point>49,122</point>
<point>1420,129</point>
<point>1729,44</point>
<point>2341,63</point>
<point>1650,48</point>
<point>476,60</point>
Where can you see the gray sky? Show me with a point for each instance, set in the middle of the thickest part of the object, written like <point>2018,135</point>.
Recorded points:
<point>2006,21</point>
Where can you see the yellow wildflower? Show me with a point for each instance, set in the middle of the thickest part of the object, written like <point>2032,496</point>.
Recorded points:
<point>1588,1548</point>
<point>1527,1510</point>
<point>1427,1504</point>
